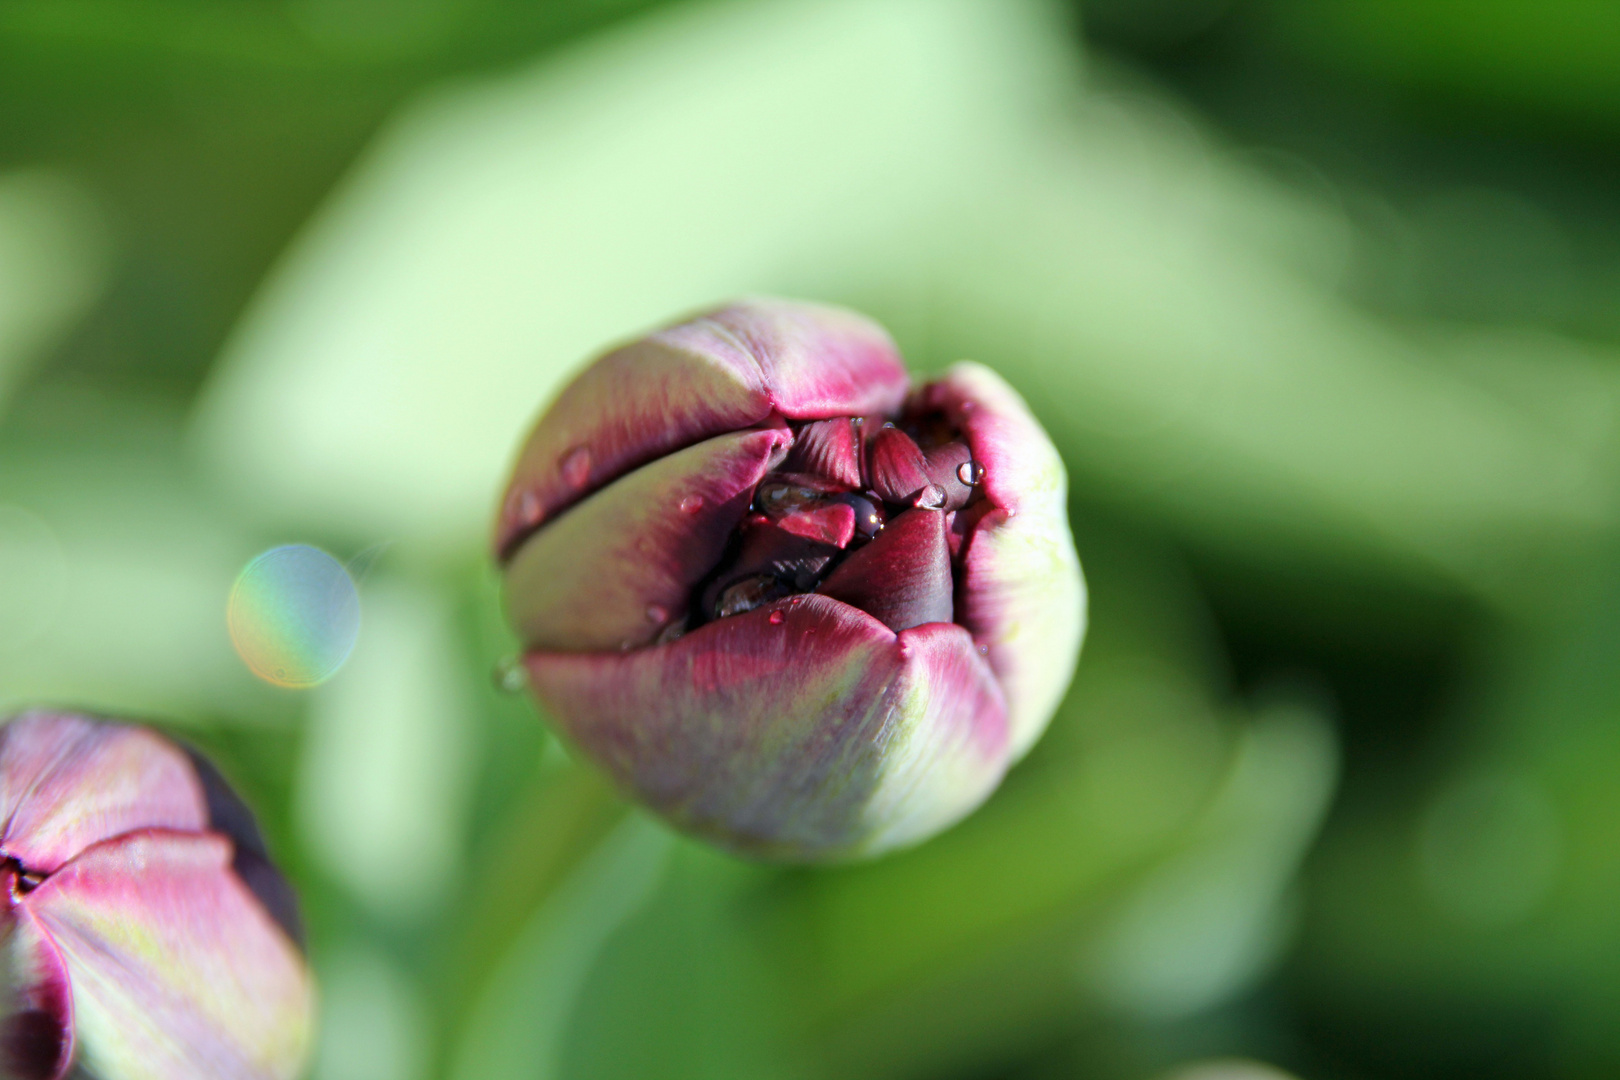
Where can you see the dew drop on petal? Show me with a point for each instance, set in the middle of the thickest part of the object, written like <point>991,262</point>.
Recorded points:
<point>776,618</point>
<point>691,504</point>
<point>510,675</point>
<point>657,614</point>
<point>294,615</point>
<point>931,497</point>
<point>524,509</point>
<point>576,467</point>
<point>970,472</point>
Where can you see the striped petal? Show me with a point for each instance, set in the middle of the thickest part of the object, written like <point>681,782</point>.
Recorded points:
<point>1019,589</point>
<point>67,782</point>
<point>830,449</point>
<point>177,970</point>
<point>718,372</point>
<point>616,569</point>
<point>804,729</point>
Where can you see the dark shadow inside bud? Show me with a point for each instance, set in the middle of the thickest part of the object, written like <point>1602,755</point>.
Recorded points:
<point>769,563</point>
<point>228,814</point>
<point>867,510</point>
<point>33,1043</point>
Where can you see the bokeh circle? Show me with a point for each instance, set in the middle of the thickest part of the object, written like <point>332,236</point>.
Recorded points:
<point>294,615</point>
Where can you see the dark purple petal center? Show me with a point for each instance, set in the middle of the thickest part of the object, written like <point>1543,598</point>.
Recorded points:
<point>862,509</point>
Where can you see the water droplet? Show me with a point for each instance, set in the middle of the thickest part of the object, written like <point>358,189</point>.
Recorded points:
<point>672,632</point>
<point>510,675</point>
<point>691,504</point>
<point>524,509</point>
<point>931,497</point>
<point>970,472</point>
<point>984,650</point>
<point>776,618</point>
<point>657,614</point>
<point>576,467</point>
<point>868,513</point>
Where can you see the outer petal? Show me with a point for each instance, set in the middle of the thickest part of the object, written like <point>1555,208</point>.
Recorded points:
<point>718,372</point>
<point>613,571</point>
<point>1020,591</point>
<point>67,782</point>
<point>804,729</point>
<point>178,972</point>
<point>36,1009</point>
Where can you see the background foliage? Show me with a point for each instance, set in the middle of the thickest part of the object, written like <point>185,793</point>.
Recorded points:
<point>1321,303</point>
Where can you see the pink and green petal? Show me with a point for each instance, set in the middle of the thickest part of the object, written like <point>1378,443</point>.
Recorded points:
<point>719,372</point>
<point>36,1011</point>
<point>1020,591</point>
<point>67,782</point>
<point>178,973</point>
<point>615,570</point>
<point>804,729</point>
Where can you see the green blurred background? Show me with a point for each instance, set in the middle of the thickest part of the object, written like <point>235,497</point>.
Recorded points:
<point>1320,301</point>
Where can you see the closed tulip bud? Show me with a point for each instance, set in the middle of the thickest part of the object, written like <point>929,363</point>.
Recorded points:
<point>145,934</point>
<point>784,598</point>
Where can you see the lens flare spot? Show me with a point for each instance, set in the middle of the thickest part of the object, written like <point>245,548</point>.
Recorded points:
<point>294,615</point>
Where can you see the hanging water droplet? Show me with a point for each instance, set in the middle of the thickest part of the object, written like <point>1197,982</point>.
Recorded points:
<point>510,675</point>
<point>776,618</point>
<point>869,517</point>
<point>691,504</point>
<point>657,614</point>
<point>970,472</point>
<point>576,467</point>
<point>931,497</point>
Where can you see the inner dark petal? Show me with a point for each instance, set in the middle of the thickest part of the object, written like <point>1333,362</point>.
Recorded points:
<point>33,1042</point>
<point>897,469</point>
<point>828,448</point>
<point>227,813</point>
<point>861,510</point>
<point>903,577</point>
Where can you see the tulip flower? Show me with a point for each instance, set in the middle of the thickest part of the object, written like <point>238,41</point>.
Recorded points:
<point>782,597</point>
<point>145,933</point>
